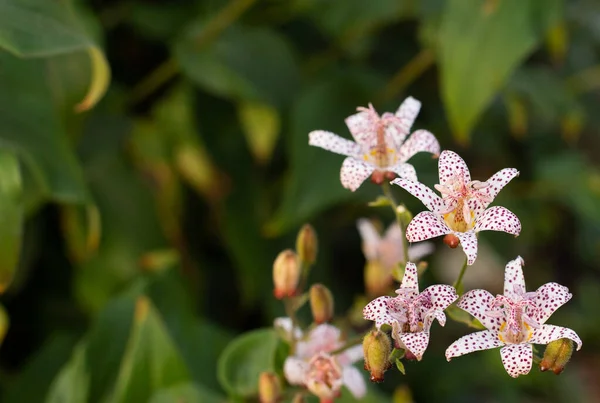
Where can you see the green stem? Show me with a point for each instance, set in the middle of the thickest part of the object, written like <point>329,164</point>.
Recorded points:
<point>458,282</point>
<point>290,312</point>
<point>387,191</point>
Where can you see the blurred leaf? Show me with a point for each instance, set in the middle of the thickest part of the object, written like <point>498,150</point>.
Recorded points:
<point>314,182</point>
<point>34,28</point>
<point>11,219</point>
<point>243,63</point>
<point>81,227</point>
<point>481,44</point>
<point>186,393</point>
<point>31,128</point>
<point>40,370</point>
<point>261,124</point>
<point>71,384</point>
<point>458,315</point>
<point>151,361</point>
<point>244,359</point>
<point>100,78</point>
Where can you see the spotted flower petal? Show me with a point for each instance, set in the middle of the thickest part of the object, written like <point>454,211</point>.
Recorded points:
<point>426,225</point>
<point>498,218</point>
<point>434,314</point>
<point>517,359</point>
<point>354,381</point>
<point>324,337</point>
<point>514,281</point>
<point>294,370</point>
<point>370,238</point>
<point>378,311</point>
<point>450,165</point>
<point>419,141</point>
<point>410,281</point>
<point>477,303</point>
<point>498,181</point>
<point>468,241</point>
<point>416,343</point>
<point>361,127</point>
<point>406,114</point>
<point>354,172</point>
<point>334,143</point>
<point>405,170</point>
<point>440,295</point>
<point>432,201</point>
<point>549,298</point>
<point>350,355</point>
<point>549,333</point>
<point>483,340</point>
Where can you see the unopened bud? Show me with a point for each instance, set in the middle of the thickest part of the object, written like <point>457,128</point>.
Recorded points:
<point>269,388</point>
<point>286,274</point>
<point>421,267</point>
<point>557,355</point>
<point>321,303</point>
<point>404,215</point>
<point>389,175</point>
<point>307,244</point>
<point>451,240</point>
<point>298,398</point>
<point>378,280</point>
<point>377,348</point>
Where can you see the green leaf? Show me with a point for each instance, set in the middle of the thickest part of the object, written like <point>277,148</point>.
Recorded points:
<point>400,366</point>
<point>481,44</point>
<point>71,384</point>
<point>261,124</point>
<point>188,393</point>
<point>11,217</point>
<point>458,315</point>
<point>30,126</point>
<point>151,361</point>
<point>314,182</point>
<point>250,63</point>
<point>244,359</point>
<point>34,28</point>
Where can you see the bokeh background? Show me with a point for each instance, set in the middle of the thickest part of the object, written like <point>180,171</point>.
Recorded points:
<point>139,226</point>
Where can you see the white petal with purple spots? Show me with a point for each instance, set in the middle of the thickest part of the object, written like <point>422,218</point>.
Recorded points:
<point>477,303</point>
<point>549,333</point>
<point>419,141</point>
<point>416,343</point>
<point>410,281</point>
<point>498,219</point>
<point>432,201</point>
<point>517,359</point>
<point>477,341</point>
<point>426,225</point>
<point>513,277</point>
<point>334,143</point>
<point>354,172</point>
<point>549,298</point>
<point>450,165</point>
<point>406,171</point>
<point>468,241</point>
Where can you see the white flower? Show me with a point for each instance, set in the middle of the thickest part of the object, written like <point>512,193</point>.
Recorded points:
<point>322,373</point>
<point>462,209</point>
<point>514,321</point>
<point>380,145</point>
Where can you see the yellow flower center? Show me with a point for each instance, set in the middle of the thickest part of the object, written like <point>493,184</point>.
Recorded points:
<point>456,218</point>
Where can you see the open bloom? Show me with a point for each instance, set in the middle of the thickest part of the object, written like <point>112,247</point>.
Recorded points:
<point>314,367</point>
<point>411,314</point>
<point>514,321</point>
<point>380,146</point>
<point>462,209</point>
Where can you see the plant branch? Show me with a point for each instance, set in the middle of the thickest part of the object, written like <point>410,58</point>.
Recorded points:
<point>387,191</point>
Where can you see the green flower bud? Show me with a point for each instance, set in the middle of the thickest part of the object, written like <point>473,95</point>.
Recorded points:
<point>321,303</point>
<point>307,244</point>
<point>377,348</point>
<point>378,279</point>
<point>269,388</point>
<point>557,355</point>
<point>286,274</point>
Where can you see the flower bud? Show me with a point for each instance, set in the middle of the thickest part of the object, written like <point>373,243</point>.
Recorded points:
<point>286,274</point>
<point>321,303</point>
<point>378,280</point>
<point>307,244</point>
<point>451,240</point>
<point>557,355</point>
<point>269,388</point>
<point>377,177</point>
<point>377,348</point>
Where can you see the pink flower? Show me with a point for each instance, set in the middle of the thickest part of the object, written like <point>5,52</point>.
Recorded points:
<point>514,320</point>
<point>380,145</point>
<point>387,249</point>
<point>411,314</point>
<point>314,367</point>
<point>462,209</point>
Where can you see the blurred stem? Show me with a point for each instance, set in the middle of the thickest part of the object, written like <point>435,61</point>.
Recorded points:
<point>169,69</point>
<point>290,312</point>
<point>406,75</point>
<point>387,191</point>
<point>458,283</point>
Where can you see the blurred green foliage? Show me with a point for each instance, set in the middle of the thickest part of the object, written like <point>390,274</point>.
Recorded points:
<point>154,160</point>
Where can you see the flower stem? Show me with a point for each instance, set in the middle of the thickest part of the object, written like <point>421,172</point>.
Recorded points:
<point>387,191</point>
<point>458,283</point>
<point>290,312</point>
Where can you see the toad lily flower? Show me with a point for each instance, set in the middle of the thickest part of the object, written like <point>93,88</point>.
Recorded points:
<point>411,314</point>
<point>514,321</point>
<point>462,209</point>
<point>384,253</point>
<point>380,148</point>
<point>314,367</point>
